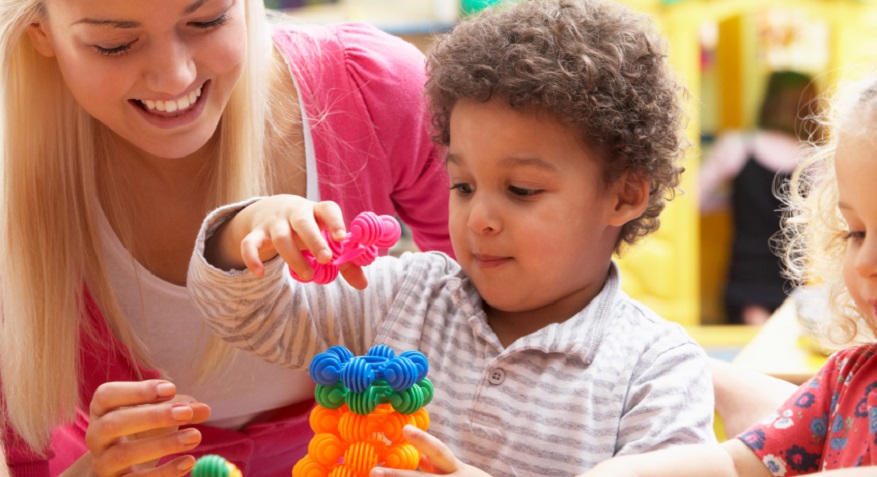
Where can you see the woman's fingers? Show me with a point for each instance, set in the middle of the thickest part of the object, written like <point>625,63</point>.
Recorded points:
<point>127,454</point>
<point>133,424</point>
<point>136,420</point>
<point>113,395</point>
<point>200,413</point>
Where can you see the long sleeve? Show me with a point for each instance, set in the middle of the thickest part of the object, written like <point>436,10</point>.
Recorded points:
<point>281,320</point>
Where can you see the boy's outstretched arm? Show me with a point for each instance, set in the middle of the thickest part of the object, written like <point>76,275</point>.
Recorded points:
<point>279,225</point>
<point>730,459</point>
<point>436,458</point>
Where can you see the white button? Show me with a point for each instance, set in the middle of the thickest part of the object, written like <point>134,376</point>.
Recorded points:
<point>496,376</point>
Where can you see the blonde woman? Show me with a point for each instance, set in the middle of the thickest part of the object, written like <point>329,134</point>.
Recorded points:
<point>123,123</point>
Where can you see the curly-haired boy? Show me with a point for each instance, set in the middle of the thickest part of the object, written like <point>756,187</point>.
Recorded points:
<point>562,127</point>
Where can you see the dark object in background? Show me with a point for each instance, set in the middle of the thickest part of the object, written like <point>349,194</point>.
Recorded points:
<point>284,4</point>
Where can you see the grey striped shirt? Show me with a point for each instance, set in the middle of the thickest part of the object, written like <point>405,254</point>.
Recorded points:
<point>613,379</point>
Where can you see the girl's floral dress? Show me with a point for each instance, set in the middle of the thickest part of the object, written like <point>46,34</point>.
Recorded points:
<point>829,423</point>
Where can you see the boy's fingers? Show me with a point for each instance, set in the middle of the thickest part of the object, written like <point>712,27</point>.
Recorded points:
<point>329,214</point>
<point>309,236</point>
<point>283,244</point>
<point>439,455</point>
<point>354,275</point>
<point>387,472</point>
<point>250,247</point>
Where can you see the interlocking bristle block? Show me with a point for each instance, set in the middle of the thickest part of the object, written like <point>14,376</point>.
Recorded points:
<point>214,466</point>
<point>362,405</point>
<point>368,232</point>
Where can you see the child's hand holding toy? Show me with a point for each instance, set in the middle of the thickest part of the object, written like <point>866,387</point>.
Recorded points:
<point>309,236</point>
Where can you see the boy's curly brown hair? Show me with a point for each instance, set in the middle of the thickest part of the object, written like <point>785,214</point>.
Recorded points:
<point>595,66</point>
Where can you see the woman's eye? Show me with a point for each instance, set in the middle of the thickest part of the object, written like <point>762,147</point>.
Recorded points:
<point>522,192</point>
<point>462,187</point>
<point>212,23</point>
<point>113,50</point>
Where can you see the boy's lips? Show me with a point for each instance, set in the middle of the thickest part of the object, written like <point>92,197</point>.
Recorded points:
<point>489,261</point>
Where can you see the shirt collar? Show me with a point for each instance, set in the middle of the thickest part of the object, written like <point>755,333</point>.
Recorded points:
<point>580,335</point>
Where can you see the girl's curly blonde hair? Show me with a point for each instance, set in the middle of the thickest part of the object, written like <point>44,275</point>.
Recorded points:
<point>813,229</point>
<point>596,66</point>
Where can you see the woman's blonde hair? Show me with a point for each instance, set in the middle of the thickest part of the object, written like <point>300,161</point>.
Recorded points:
<point>813,229</point>
<point>50,150</point>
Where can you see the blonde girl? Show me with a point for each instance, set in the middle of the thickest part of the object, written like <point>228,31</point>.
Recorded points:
<point>829,425</point>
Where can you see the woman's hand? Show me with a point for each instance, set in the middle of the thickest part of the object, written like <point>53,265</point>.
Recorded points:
<point>133,424</point>
<point>281,225</point>
<point>436,458</point>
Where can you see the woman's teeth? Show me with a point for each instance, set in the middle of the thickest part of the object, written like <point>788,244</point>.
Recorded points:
<point>172,106</point>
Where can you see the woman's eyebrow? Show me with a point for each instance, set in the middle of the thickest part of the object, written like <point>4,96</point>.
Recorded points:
<point>191,8</point>
<point>107,23</point>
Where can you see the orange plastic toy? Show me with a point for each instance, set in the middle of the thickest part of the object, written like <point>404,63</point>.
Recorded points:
<point>348,443</point>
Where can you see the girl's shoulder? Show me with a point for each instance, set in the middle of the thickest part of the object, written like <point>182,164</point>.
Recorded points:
<point>853,361</point>
<point>847,369</point>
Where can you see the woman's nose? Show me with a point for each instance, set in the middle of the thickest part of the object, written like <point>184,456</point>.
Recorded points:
<point>170,68</point>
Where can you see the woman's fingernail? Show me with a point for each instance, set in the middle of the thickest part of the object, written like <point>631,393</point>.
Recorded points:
<point>182,412</point>
<point>166,389</point>
<point>190,436</point>
<point>186,464</point>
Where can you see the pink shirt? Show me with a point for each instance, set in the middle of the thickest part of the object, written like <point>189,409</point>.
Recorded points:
<point>362,93</point>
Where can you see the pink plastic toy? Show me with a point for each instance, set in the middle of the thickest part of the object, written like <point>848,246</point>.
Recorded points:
<point>367,233</point>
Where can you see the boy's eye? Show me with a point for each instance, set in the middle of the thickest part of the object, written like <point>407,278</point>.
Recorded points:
<point>463,188</point>
<point>522,192</point>
<point>212,23</point>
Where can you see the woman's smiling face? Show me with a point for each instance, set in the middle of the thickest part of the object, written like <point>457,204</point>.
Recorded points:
<point>158,74</point>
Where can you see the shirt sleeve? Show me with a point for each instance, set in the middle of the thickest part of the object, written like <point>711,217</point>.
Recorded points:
<point>279,319</point>
<point>669,401</point>
<point>390,74</point>
<point>790,441</point>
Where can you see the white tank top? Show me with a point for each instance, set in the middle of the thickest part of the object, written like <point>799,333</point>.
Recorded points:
<point>162,315</point>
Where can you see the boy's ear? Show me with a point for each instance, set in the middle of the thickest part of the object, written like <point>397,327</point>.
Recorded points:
<point>39,37</point>
<point>632,197</point>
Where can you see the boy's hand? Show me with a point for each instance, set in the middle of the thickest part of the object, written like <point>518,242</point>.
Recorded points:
<point>280,225</point>
<point>435,458</point>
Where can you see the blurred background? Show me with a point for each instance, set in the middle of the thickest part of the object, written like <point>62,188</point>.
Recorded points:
<point>725,51</point>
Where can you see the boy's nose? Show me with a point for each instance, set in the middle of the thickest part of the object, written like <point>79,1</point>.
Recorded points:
<point>170,69</point>
<point>483,218</point>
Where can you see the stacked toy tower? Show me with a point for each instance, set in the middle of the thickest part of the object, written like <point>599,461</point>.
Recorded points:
<point>362,404</point>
